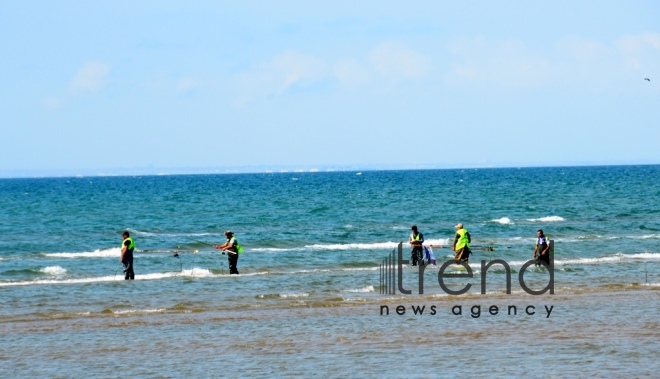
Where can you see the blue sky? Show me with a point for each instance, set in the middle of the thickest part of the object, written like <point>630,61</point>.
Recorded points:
<point>158,86</point>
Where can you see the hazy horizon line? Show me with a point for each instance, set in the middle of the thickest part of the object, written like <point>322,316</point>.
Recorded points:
<point>165,171</point>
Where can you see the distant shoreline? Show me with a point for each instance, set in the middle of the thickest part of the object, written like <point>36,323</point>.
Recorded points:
<point>90,173</point>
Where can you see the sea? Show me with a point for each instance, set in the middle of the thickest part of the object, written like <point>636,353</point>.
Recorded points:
<point>310,299</point>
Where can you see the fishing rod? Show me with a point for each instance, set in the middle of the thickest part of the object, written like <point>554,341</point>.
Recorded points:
<point>166,251</point>
<point>210,244</point>
<point>123,268</point>
<point>176,255</point>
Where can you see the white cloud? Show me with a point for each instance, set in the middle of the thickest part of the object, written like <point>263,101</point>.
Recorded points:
<point>92,77</point>
<point>395,62</point>
<point>573,61</point>
<point>581,50</point>
<point>352,74</point>
<point>291,68</point>
<point>639,52</point>
<point>503,63</point>
<point>639,42</point>
<point>281,73</point>
<point>389,62</point>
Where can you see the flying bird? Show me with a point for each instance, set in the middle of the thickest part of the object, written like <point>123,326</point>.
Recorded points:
<point>647,79</point>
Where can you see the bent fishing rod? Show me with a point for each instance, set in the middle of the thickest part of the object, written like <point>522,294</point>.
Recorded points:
<point>214,246</point>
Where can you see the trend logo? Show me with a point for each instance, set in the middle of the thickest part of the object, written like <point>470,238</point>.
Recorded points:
<point>391,274</point>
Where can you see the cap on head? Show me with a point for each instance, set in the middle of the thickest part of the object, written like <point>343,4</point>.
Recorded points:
<point>229,233</point>
<point>414,227</point>
<point>459,226</point>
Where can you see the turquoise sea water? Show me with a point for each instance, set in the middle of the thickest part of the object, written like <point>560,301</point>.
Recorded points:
<point>308,300</point>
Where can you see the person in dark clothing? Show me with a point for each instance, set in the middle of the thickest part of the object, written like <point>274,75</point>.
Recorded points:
<point>232,248</point>
<point>542,249</point>
<point>127,248</point>
<point>417,242</point>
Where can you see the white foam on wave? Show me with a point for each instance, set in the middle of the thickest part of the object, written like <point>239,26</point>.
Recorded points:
<point>513,264</point>
<point>593,261</point>
<point>591,237</point>
<point>503,221</point>
<point>270,249</point>
<point>643,255</point>
<point>293,295</point>
<point>363,290</point>
<point>547,219</point>
<point>197,272</point>
<point>602,237</point>
<point>348,246</point>
<point>99,253</point>
<point>53,270</point>
<point>361,269</point>
<point>352,246</point>
<point>314,270</point>
<point>111,278</point>
<point>248,274</point>
<point>589,261</point>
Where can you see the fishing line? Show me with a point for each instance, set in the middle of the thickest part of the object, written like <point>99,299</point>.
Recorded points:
<point>165,251</point>
<point>123,268</point>
<point>177,256</point>
<point>192,271</point>
<point>195,252</point>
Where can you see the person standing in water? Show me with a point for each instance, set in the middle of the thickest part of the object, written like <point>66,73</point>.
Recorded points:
<point>232,248</point>
<point>127,248</point>
<point>417,243</point>
<point>542,249</point>
<point>461,245</point>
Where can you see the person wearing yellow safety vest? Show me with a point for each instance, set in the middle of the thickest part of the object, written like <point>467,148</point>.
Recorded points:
<point>127,248</point>
<point>232,248</point>
<point>417,242</point>
<point>461,245</point>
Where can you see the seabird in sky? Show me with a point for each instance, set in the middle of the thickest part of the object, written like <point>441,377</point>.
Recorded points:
<point>647,79</point>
